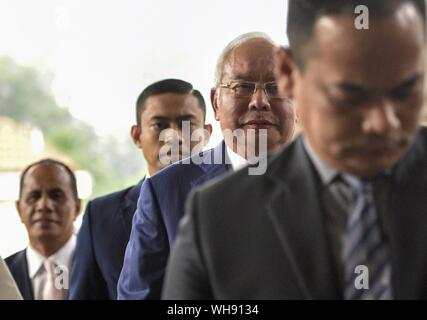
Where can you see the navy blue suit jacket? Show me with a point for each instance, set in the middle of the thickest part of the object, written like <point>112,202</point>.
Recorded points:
<point>160,208</point>
<point>18,266</point>
<point>101,245</point>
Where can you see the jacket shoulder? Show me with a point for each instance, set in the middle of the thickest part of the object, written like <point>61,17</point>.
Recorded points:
<point>109,202</point>
<point>16,258</point>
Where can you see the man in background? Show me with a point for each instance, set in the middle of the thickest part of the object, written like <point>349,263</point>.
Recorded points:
<point>161,109</point>
<point>246,101</point>
<point>48,206</point>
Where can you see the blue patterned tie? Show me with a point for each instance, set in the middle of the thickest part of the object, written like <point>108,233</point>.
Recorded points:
<point>366,254</point>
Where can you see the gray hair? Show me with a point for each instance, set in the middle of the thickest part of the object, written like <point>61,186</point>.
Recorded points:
<point>234,44</point>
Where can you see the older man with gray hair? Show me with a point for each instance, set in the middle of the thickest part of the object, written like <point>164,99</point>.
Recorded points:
<point>254,120</point>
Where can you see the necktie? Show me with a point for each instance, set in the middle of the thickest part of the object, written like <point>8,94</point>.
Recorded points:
<point>50,290</point>
<point>366,254</point>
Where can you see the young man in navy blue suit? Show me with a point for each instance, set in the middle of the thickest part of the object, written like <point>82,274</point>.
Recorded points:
<point>107,221</point>
<point>245,100</point>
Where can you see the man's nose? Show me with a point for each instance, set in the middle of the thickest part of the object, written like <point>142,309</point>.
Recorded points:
<point>259,100</point>
<point>381,119</point>
<point>44,203</point>
<point>173,134</point>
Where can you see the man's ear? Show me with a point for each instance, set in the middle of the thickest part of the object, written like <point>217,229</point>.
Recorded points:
<point>214,102</point>
<point>208,133</point>
<point>78,207</point>
<point>18,210</point>
<point>284,69</point>
<point>135,133</point>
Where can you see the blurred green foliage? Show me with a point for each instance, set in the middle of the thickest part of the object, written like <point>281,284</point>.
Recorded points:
<point>26,96</point>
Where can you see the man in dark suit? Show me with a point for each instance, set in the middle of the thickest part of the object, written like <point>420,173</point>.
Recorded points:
<point>107,222</point>
<point>48,206</point>
<point>342,212</point>
<point>245,98</point>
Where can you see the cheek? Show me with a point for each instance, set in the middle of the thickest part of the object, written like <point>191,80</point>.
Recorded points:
<point>231,111</point>
<point>285,114</point>
<point>25,215</point>
<point>150,143</point>
<point>67,214</point>
<point>410,119</point>
<point>25,211</point>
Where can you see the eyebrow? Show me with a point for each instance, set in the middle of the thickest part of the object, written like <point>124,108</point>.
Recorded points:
<point>38,190</point>
<point>183,117</point>
<point>409,82</point>
<point>187,117</point>
<point>160,118</point>
<point>359,89</point>
<point>351,88</point>
<point>245,77</point>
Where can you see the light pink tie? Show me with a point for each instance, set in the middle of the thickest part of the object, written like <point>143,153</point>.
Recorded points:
<point>50,291</point>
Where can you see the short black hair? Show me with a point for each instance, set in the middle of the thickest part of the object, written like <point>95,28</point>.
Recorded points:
<point>303,15</point>
<point>167,86</point>
<point>49,161</point>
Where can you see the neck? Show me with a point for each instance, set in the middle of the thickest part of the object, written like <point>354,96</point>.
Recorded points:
<point>153,170</point>
<point>47,247</point>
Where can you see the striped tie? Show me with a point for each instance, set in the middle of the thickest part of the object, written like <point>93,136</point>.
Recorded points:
<point>366,255</point>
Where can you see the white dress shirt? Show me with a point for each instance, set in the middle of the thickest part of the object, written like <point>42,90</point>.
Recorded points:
<point>37,272</point>
<point>8,287</point>
<point>237,161</point>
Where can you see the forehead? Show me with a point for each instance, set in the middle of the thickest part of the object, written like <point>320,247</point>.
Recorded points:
<point>170,105</point>
<point>252,60</point>
<point>390,50</point>
<point>46,176</point>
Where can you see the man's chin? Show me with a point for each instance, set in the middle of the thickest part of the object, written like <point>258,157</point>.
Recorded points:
<point>46,234</point>
<point>369,168</point>
<point>167,160</point>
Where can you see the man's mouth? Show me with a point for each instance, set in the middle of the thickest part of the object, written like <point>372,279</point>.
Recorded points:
<point>44,221</point>
<point>258,124</point>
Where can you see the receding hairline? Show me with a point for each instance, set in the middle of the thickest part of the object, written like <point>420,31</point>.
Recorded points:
<point>234,44</point>
<point>52,163</point>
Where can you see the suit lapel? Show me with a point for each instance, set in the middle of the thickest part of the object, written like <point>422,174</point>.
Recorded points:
<point>129,206</point>
<point>22,277</point>
<point>295,212</point>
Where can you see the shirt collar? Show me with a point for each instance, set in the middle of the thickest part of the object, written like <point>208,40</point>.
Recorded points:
<point>62,257</point>
<point>326,172</point>
<point>236,160</point>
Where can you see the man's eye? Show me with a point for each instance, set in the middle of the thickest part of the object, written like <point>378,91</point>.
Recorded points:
<point>404,94</point>
<point>244,87</point>
<point>56,195</point>
<point>158,126</point>
<point>33,196</point>
<point>272,89</point>
<point>348,101</point>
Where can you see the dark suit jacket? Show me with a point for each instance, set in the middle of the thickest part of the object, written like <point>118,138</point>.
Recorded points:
<point>18,266</point>
<point>160,207</point>
<point>101,245</point>
<point>264,237</point>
